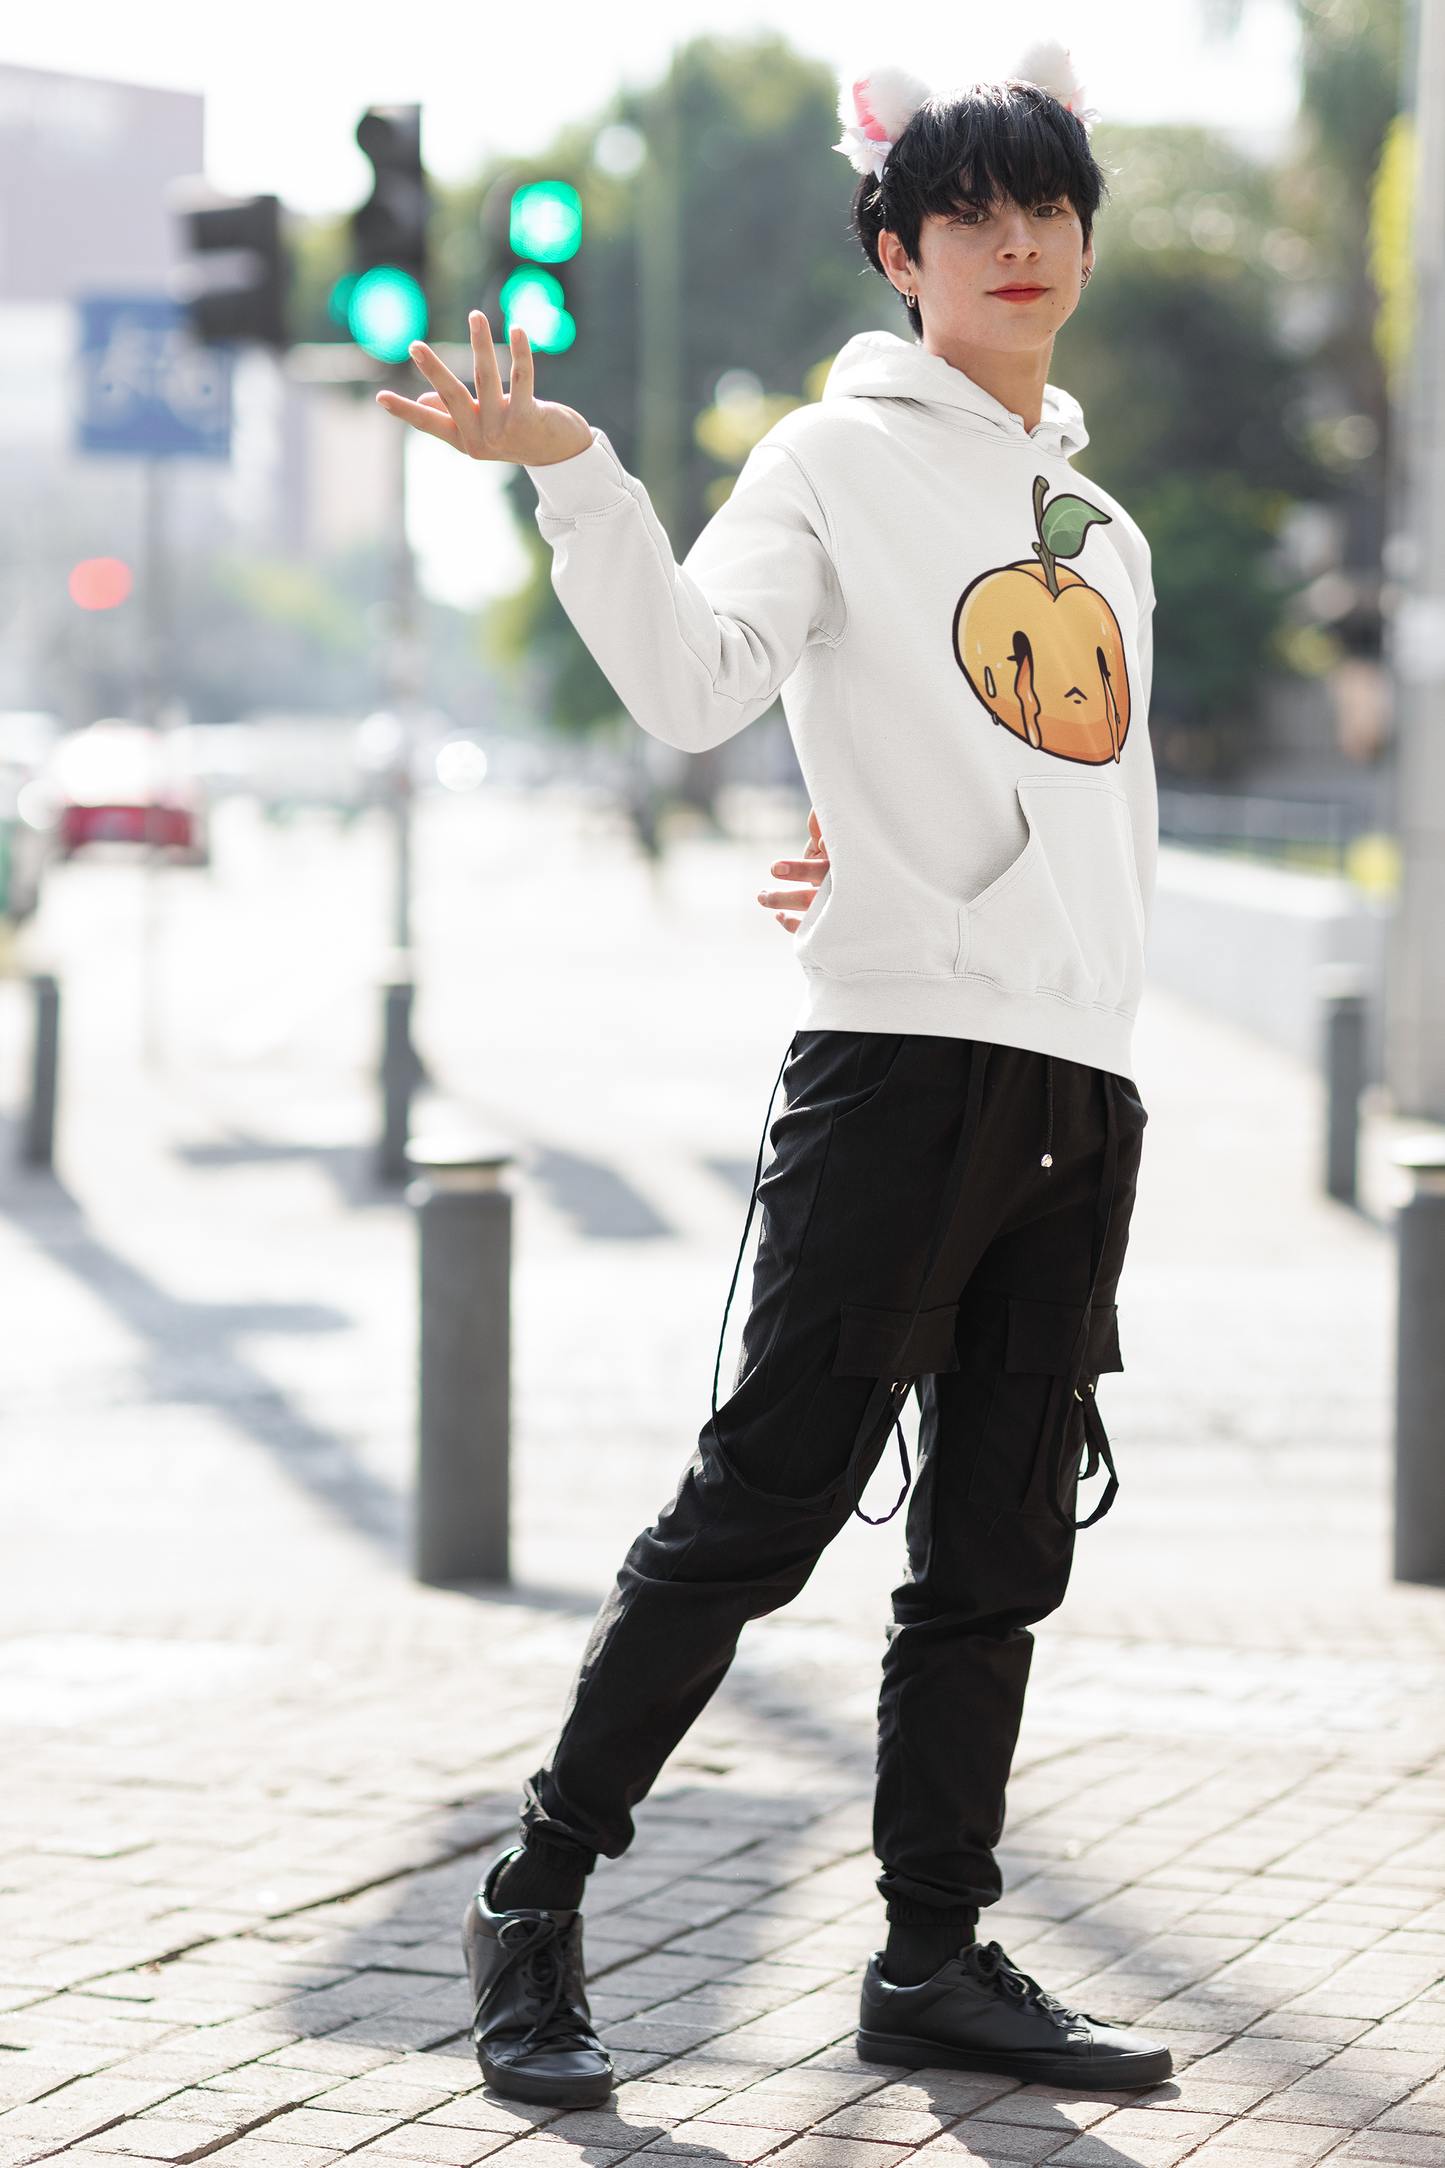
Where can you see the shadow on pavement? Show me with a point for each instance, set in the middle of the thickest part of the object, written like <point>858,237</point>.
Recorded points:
<point>193,1357</point>
<point>351,1168</point>
<point>725,1954</point>
<point>600,1203</point>
<point>736,1173</point>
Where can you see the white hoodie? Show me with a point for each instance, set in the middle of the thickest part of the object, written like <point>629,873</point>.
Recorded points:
<point>970,711</point>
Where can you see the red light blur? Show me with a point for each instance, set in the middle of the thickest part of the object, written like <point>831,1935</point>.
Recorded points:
<point>100,583</point>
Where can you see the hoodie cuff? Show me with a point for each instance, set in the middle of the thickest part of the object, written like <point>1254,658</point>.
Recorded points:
<point>586,484</point>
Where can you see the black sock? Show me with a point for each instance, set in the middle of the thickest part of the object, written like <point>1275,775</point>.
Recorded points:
<point>921,1941</point>
<point>549,1877</point>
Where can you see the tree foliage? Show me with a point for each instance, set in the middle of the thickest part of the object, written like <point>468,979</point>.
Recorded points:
<point>770,281</point>
<point>1225,361</point>
<point>1176,358</point>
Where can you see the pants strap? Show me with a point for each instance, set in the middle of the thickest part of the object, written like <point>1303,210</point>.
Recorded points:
<point>1075,1390</point>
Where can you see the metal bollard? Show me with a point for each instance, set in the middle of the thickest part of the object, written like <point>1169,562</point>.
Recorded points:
<point>464,1227</point>
<point>398,1080</point>
<point>1420,1372</point>
<point>38,1148</point>
<point>1342,995</point>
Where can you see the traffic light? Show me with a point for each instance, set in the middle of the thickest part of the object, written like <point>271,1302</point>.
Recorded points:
<point>383,302</point>
<point>532,227</point>
<point>234,287</point>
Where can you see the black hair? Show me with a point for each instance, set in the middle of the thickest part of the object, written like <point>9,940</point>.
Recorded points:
<point>966,151</point>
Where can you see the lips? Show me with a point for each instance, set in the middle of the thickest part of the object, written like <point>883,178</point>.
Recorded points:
<point>1018,293</point>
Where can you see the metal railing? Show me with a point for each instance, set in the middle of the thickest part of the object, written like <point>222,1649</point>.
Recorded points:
<point>1308,832</point>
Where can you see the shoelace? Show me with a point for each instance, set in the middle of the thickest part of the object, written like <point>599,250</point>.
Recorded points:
<point>531,1942</point>
<point>989,1962</point>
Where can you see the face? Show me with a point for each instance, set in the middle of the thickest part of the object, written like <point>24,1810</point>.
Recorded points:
<point>1002,280</point>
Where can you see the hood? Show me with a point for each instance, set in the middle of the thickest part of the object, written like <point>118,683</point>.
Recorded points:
<point>876,365</point>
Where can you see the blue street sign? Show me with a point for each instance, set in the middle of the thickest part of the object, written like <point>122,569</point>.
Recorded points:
<point>147,389</point>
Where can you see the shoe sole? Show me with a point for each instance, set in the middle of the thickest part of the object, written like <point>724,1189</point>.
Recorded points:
<point>1124,2074</point>
<point>546,2092</point>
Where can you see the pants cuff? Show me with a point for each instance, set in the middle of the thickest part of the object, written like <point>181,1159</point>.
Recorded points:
<point>548,1828</point>
<point>934,1897</point>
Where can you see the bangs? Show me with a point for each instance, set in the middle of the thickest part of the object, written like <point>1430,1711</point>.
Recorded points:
<point>1001,140</point>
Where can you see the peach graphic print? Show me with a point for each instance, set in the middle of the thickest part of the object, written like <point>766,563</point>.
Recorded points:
<point>1041,649</point>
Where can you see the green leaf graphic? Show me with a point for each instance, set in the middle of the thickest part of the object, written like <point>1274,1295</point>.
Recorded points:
<point>1065,524</point>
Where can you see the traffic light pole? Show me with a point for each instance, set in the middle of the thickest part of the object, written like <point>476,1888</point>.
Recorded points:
<point>1416,1003</point>
<point>154,672</point>
<point>401,674</point>
<point>152,703</point>
<point>401,681</point>
<point>386,309</point>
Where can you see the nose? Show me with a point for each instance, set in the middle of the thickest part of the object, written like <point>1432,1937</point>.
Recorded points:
<point>1016,239</point>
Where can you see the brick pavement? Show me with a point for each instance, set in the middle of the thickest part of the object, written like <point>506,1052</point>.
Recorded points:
<point>253,1769</point>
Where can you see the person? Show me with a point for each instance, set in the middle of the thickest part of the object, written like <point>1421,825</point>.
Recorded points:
<point>959,628</point>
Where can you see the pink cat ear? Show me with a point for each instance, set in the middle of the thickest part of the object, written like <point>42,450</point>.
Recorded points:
<point>1050,65</point>
<point>874,109</point>
<point>867,120</point>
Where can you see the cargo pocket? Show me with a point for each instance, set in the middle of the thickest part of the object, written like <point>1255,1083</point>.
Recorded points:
<point>1041,1338</point>
<point>868,1343</point>
<point>1011,1471</point>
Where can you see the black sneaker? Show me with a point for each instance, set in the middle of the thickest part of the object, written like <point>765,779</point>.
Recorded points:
<point>531,2026</point>
<point>979,2012</point>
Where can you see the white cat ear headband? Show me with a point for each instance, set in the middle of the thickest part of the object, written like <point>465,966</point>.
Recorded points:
<point>877,108</point>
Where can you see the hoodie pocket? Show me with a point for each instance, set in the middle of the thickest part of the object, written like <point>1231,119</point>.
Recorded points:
<point>1067,917</point>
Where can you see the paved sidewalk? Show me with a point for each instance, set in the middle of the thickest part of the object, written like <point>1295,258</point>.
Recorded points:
<point>252,1769</point>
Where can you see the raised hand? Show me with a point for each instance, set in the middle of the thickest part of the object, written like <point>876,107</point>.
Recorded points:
<point>512,425</point>
<point>790,905</point>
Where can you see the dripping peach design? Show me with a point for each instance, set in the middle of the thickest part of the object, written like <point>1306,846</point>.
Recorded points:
<point>1041,649</point>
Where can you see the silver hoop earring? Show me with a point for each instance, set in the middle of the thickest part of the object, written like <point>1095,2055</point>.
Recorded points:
<point>1088,274</point>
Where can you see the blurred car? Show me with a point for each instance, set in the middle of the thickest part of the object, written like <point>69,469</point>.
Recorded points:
<point>121,782</point>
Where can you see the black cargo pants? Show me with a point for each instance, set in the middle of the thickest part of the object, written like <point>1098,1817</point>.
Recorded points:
<point>877,1135</point>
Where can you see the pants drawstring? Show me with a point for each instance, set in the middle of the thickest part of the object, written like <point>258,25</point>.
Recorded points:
<point>1048,1159</point>
<point>742,1246</point>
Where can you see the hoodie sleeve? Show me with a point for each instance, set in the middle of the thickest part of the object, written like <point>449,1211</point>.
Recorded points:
<point>695,651</point>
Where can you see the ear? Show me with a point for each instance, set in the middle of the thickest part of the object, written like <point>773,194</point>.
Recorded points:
<point>1089,253</point>
<point>896,261</point>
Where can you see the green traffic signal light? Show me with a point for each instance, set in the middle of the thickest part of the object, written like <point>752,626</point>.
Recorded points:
<point>385,310</point>
<point>546,222</point>
<point>535,300</point>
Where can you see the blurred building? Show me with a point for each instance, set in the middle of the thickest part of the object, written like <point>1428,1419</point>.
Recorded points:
<point>84,166</point>
<point>86,172</point>
<point>84,169</point>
